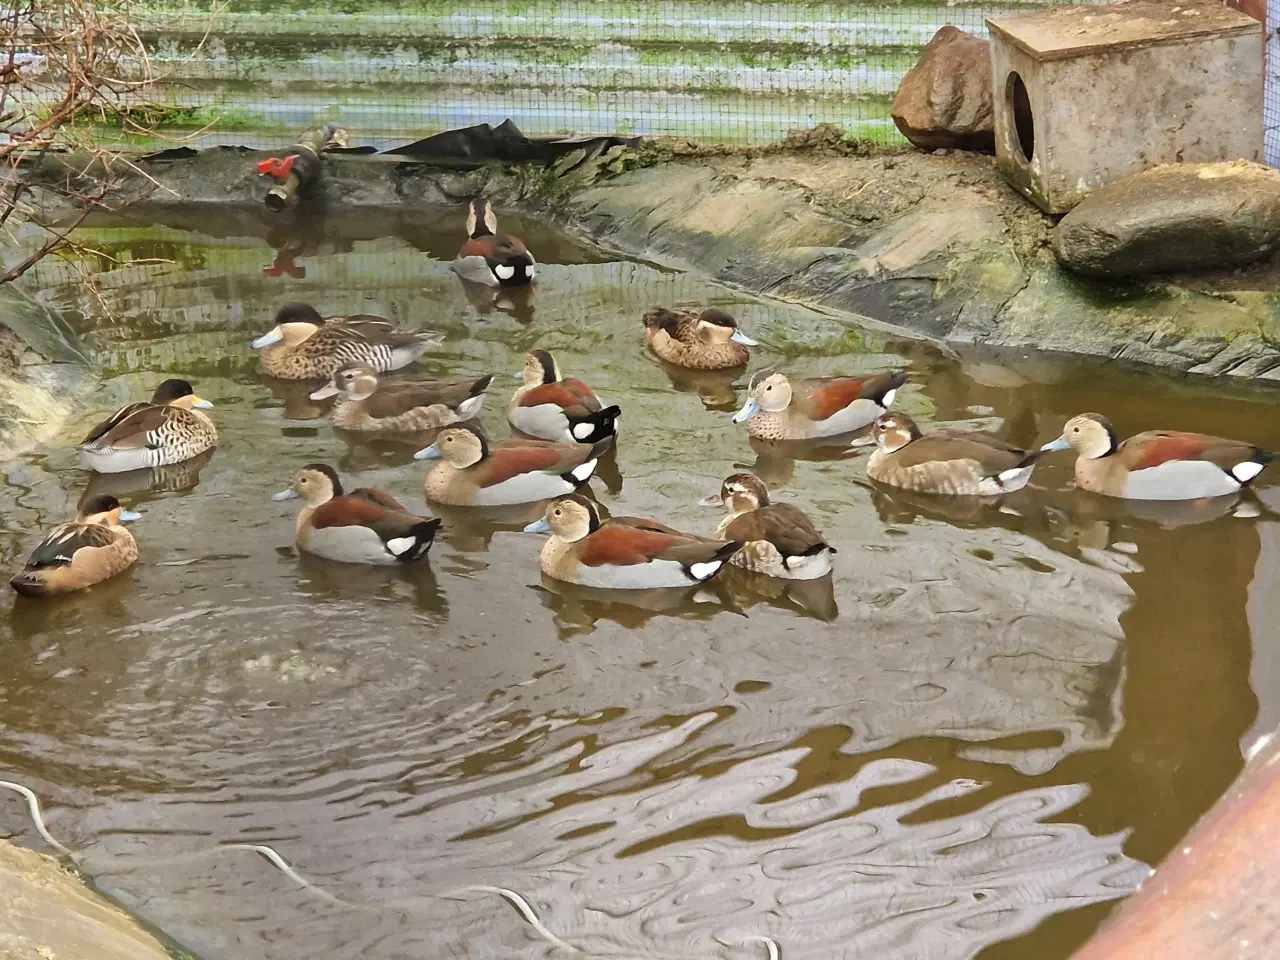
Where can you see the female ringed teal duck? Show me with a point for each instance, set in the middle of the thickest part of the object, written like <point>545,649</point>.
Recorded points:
<point>491,256</point>
<point>709,340</point>
<point>365,526</point>
<point>780,540</point>
<point>367,405</point>
<point>168,429</point>
<point>946,462</point>
<point>781,409</point>
<point>1158,464</point>
<point>91,549</point>
<point>305,346</point>
<point>550,407</point>
<point>515,471</point>
<point>624,553</point>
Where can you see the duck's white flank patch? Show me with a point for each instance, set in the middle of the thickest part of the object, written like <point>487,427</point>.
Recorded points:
<point>583,471</point>
<point>470,407</point>
<point>583,430</point>
<point>1016,478</point>
<point>1244,472</point>
<point>887,401</point>
<point>705,571</point>
<point>399,545</point>
<point>504,272</point>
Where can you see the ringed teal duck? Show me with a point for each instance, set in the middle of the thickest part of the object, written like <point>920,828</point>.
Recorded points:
<point>946,462</point>
<point>550,407</point>
<point>1158,464</point>
<point>515,471</point>
<point>305,346</point>
<point>367,405</point>
<point>624,553</point>
<point>168,429</point>
<point>709,340</point>
<point>780,540</point>
<point>491,256</point>
<point>780,409</point>
<point>367,525</point>
<point>91,549</point>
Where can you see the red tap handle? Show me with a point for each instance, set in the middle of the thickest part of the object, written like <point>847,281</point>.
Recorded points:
<point>277,168</point>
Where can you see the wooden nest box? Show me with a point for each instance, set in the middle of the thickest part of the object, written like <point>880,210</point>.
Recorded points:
<point>1084,96</point>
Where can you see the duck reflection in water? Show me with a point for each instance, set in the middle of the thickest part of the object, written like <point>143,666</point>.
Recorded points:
<point>326,580</point>
<point>172,478</point>
<point>295,395</point>
<point>577,609</point>
<point>471,529</point>
<point>717,388</point>
<point>371,451</point>
<point>775,461</point>
<point>515,302</point>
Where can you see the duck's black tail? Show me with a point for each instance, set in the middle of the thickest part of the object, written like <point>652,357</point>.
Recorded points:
<point>416,541</point>
<point>596,426</point>
<point>481,385</point>
<point>879,387</point>
<point>30,584</point>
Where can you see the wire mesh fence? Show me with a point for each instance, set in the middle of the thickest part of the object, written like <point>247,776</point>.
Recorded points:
<point>256,71</point>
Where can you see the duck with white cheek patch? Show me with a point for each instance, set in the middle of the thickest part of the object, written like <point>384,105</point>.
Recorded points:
<point>946,462</point>
<point>1158,464</point>
<point>623,553</point>
<point>491,256</point>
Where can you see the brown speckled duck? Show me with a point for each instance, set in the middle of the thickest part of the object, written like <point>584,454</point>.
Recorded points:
<point>780,540</point>
<point>91,549</point>
<point>305,346</point>
<point>1158,464</point>
<point>368,405</point>
<point>946,462</point>
<point>709,340</point>
<point>170,428</point>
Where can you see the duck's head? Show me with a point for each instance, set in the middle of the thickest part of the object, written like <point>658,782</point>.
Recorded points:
<point>480,219</point>
<point>769,391</point>
<point>1090,435</point>
<point>570,518</point>
<point>178,393</point>
<point>893,431</point>
<point>315,483</point>
<point>719,326</point>
<point>739,493</point>
<point>356,381</point>
<point>539,367</point>
<point>104,509</point>
<point>294,323</point>
<point>462,445</point>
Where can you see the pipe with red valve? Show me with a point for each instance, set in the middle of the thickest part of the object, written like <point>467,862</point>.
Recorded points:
<point>297,169</point>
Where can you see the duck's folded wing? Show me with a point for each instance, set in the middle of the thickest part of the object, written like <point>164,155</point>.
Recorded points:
<point>60,546</point>
<point>136,429</point>
<point>573,403</point>
<point>378,497</point>
<point>372,330</point>
<point>785,526</point>
<point>1147,450</point>
<point>822,397</point>
<point>120,415</point>
<point>621,544</point>
<point>992,455</point>
<point>513,459</point>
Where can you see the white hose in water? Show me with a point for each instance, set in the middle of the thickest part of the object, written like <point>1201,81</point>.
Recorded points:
<point>523,907</point>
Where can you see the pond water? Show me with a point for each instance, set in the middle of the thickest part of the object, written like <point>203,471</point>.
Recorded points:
<point>970,743</point>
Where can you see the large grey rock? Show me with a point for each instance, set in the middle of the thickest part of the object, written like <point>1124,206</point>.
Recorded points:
<point>1174,218</point>
<point>944,101</point>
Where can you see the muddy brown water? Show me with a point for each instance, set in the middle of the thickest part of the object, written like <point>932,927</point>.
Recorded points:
<point>970,743</point>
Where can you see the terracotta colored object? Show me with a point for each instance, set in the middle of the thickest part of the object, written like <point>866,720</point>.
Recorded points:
<point>1217,896</point>
<point>944,101</point>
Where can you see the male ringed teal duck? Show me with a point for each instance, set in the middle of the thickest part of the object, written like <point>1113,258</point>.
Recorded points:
<point>491,256</point>
<point>1158,464</point>
<point>946,462</point>
<point>368,405</point>
<point>781,409</point>
<point>624,553</point>
<point>515,471</point>
<point>365,526</point>
<point>780,540</point>
<point>550,407</point>
<point>305,346</point>
<point>167,429</point>
<point>709,340</point>
<point>92,548</point>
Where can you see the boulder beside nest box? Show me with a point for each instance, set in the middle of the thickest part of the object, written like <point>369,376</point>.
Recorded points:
<point>1086,95</point>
